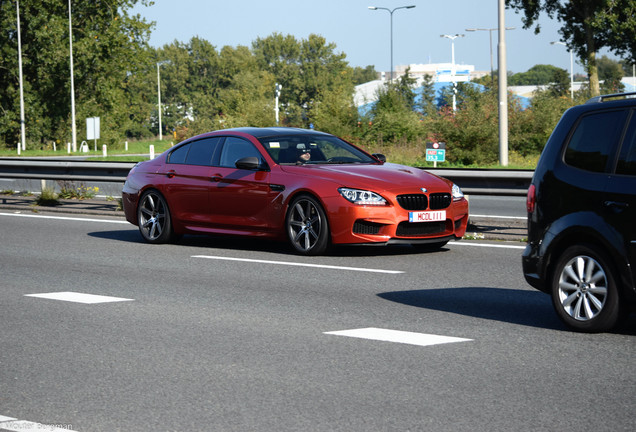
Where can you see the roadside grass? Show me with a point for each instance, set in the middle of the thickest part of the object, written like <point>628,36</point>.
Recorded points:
<point>137,151</point>
<point>411,155</point>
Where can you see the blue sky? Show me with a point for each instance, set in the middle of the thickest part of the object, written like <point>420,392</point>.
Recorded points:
<point>362,34</point>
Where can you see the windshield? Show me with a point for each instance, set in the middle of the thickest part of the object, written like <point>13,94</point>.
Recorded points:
<point>313,149</point>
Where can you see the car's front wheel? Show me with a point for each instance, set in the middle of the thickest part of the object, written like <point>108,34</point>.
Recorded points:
<point>153,218</point>
<point>584,291</point>
<point>307,226</point>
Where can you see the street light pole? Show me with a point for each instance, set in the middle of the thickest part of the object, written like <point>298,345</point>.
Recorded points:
<point>22,126</point>
<point>452,38</point>
<point>70,37</point>
<point>489,30</point>
<point>159,97</point>
<point>503,87</point>
<point>159,101</point>
<point>571,68</point>
<point>391,13</point>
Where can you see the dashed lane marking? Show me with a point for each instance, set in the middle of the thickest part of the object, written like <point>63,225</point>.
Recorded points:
<point>65,218</point>
<point>488,245</point>
<point>76,297</point>
<point>404,337</point>
<point>359,269</point>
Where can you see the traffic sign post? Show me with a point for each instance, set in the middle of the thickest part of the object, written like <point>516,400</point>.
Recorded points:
<point>92,129</point>
<point>435,152</point>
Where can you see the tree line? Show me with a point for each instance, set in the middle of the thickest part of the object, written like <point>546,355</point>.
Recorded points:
<point>205,88</point>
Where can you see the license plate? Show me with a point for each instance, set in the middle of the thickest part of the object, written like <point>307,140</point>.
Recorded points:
<point>427,216</point>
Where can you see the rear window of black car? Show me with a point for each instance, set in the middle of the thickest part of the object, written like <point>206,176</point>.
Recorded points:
<point>595,139</point>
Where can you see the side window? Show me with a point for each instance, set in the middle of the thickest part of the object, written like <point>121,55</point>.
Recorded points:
<point>594,140</point>
<point>178,155</point>
<point>235,149</point>
<point>201,151</point>
<point>627,159</point>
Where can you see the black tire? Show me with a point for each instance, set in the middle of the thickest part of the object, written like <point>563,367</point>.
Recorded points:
<point>153,217</point>
<point>307,226</point>
<point>584,291</point>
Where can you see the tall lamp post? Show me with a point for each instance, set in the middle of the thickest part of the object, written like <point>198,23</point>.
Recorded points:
<point>22,131</point>
<point>503,85</point>
<point>490,30</point>
<point>571,68</point>
<point>70,37</point>
<point>452,38</point>
<point>159,97</point>
<point>391,13</point>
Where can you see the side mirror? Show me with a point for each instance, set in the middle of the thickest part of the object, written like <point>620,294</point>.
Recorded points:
<point>249,163</point>
<point>379,156</point>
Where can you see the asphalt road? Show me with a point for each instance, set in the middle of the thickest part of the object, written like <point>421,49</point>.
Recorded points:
<point>227,335</point>
<point>510,206</point>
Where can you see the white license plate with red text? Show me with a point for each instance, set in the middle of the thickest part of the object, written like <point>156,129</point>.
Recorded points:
<point>427,216</point>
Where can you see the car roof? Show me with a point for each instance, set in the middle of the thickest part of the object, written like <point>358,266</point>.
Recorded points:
<point>271,131</point>
<point>626,98</point>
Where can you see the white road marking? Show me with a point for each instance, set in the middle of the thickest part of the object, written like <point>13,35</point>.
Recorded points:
<point>79,297</point>
<point>490,245</point>
<point>420,339</point>
<point>359,269</point>
<point>65,218</point>
<point>501,217</point>
<point>13,424</point>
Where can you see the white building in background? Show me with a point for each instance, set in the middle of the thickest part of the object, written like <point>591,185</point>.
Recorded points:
<point>441,72</point>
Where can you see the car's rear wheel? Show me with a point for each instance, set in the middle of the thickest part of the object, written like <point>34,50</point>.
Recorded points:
<point>153,218</point>
<point>584,291</point>
<point>307,226</point>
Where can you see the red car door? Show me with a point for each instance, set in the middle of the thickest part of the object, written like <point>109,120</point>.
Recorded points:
<point>240,199</point>
<point>188,172</point>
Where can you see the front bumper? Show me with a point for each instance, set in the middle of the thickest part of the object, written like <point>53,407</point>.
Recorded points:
<point>353,224</point>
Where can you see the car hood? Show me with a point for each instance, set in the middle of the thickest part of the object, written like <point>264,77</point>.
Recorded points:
<point>387,176</point>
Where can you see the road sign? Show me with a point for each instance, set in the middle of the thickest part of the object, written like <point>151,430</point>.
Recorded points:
<point>435,152</point>
<point>92,129</point>
<point>435,155</point>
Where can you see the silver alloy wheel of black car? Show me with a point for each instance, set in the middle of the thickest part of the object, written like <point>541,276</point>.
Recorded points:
<point>154,218</point>
<point>307,226</point>
<point>584,292</point>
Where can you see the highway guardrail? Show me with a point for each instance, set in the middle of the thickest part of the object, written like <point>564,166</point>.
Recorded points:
<point>472,181</point>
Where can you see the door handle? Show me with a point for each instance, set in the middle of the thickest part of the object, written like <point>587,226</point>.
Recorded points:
<point>171,174</point>
<point>216,178</point>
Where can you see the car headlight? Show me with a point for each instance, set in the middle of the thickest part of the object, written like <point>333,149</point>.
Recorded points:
<point>457,193</point>
<point>362,197</point>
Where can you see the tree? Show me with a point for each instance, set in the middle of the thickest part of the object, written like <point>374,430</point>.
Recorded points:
<point>588,26</point>
<point>190,81</point>
<point>427,103</point>
<point>361,76</point>
<point>108,47</point>
<point>536,75</point>
<point>307,70</point>
<point>610,72</point>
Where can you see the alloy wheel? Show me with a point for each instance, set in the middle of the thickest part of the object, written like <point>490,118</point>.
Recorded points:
<point>307,226</point>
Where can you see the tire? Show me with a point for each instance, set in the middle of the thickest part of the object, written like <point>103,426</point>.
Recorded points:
<point>153,217</point>
<point>307,227</point>
<point>584,291</point>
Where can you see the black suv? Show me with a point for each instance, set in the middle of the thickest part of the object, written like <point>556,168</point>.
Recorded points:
<point>582,214</point>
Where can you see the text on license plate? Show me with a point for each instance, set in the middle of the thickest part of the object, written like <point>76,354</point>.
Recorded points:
<point>427,216</point>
